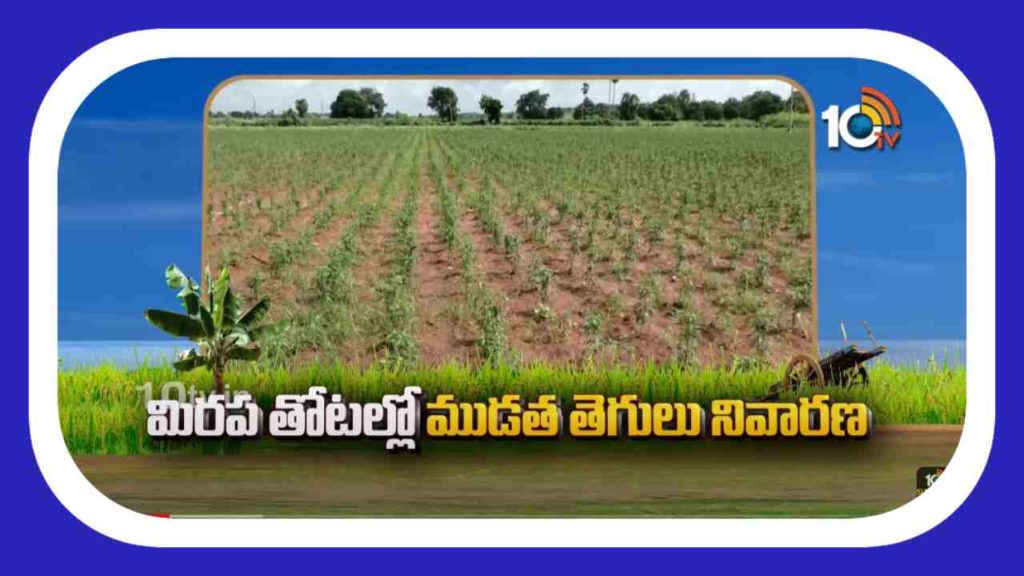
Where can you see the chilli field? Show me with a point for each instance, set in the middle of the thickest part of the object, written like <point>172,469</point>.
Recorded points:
<point>504,245</point>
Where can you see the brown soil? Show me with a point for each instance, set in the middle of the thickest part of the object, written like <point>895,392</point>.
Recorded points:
<point>564,478</point>
<point>437,286</point>
<point>444,329</point>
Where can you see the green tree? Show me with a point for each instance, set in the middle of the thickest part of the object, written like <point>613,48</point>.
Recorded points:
<point>761,103</point>
<point>350,104</point>
<point>374,100</point>
<point>603,110</point>
<point>664,109</point>
<point>289,118</point>
<point>220,329</point>
<point>731,109</point>
<point>555,113</point>
<point>584,110</point>
<point>492,108</point>
<point>580,113</point>
<point>302,107</point>
<point>629,106</point>
<point>796,100</point>
<point>692,111</point>
<point>444,102</point>
<point>686,107</point>
<point>710,110</point>
<point>532,105</point>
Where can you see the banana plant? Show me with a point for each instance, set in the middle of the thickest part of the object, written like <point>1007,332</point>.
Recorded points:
<point>219,328</point>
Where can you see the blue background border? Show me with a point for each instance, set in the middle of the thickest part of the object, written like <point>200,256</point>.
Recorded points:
<point>41,40</point>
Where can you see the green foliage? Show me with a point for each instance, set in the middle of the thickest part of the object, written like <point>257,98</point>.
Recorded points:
<point>629,106</point>
<point>218,326</point>
<point>511,244</point>
<point>492,108</point>
<point>796,102</point>
<point>785,119</point>
<point>540,278</point>
<point>592,324</point>
<point>688,336</point>
<point>731,109</point>
<point>585,110</point>
<point>801,286</point>
<point>362,103</point>
<point>290,118</point>
<point>367,105</point>
<point>649,298</point>
<point>542,313</point>
<point>664,109</point>
<point>493,338</point>
<point>765,323</point>
<point>286,252</point>
<point>710,110</point>
<point>350,104</point>
<point>444,102</point>
<point>532,105</point>
<point>374,100</point>
<point>760,103</point>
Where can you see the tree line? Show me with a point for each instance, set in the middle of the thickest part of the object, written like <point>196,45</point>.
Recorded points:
<point>533,105</point>
<point>368,103</point>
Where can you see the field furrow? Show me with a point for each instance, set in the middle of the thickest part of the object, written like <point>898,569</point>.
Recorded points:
<point>441,332</point>
<point>560,244</point>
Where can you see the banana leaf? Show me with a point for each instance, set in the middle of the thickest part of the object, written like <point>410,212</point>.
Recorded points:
<point>175,324</point>
<point>255,314</point>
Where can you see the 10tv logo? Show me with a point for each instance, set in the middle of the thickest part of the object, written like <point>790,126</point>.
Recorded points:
<point>927,477</point>
<point>873,122</point>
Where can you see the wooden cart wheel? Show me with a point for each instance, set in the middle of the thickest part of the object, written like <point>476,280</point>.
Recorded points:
<point>803,369</point>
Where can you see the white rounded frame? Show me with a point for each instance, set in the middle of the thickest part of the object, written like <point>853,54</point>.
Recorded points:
<point>101,62</point>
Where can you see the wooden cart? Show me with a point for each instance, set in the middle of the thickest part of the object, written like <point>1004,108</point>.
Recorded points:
<point>842,368</point>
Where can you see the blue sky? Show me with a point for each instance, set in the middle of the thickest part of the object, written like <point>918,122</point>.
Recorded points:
<point>891,225</point>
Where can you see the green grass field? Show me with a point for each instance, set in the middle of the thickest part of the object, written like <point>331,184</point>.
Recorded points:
<point>102,410</point>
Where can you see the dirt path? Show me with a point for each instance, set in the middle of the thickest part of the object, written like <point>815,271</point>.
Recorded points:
<point>374,260</point>
<point>437,284</point>
<point>562,478</point>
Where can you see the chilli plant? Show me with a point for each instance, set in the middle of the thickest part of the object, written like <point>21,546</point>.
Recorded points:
<point>218,326</point>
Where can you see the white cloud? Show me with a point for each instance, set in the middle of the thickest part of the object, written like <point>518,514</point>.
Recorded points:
<point>843,179</point>
<point>410,96</point>
<point>890,266</point>
<point>140,211</point>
